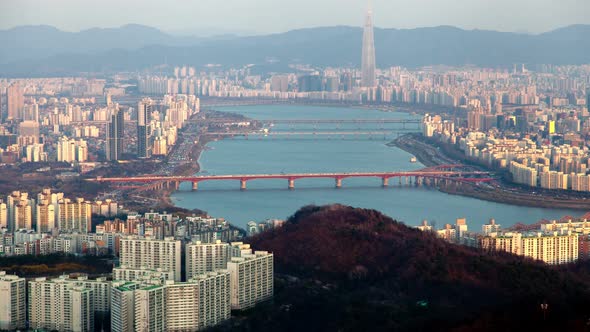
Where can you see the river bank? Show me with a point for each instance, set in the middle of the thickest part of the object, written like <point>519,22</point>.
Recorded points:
<point>184,157</point>
<point>499,191</point>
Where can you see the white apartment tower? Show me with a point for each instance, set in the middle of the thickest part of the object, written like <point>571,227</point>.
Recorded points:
<point>251,278</point>
<point>138,252</point>
<point>60,305</point>
<point>206,257</point>
<point>74,216</point>
<point>13,302</point>
<point>150,309</point>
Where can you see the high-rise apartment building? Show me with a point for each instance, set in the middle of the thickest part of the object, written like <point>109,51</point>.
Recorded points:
<point>150,309</point>
<point>13,302</point>
<point>251,278</point>
<point>60,305</point>
<point>139,252</point>
<point>144,148</point>
<point>74,216</point>
<point>15,101</point>
<point>129,274</point>
<point>123,306</point>
<point>45,216</point>
<point>71,150</point>
<point>150,305</point>
<point>3,216</point>
<point>23,215</point>
<point>201,302</point>
<point>368,79</point>
<point>550,247</point>
<point>115,131</point>
<point>206,257</point>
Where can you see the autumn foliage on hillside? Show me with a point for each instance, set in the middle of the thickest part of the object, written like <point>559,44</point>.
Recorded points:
<point>341,268</point>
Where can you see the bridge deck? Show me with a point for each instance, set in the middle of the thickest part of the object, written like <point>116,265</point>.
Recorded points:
<point>294,176</point>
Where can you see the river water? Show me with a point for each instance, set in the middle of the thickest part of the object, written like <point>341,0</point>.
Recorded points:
<point>266,199</point>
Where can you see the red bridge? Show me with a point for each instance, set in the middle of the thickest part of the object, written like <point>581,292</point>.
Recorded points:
<point>434,175</point>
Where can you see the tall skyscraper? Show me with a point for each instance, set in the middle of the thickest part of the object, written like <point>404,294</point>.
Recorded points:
<point>144,149</point>
<point>368,57</point>
<point>115,136</point>
<point>15,101</point>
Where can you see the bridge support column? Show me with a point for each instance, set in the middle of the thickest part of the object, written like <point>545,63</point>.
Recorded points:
<point>385,182</point>
<point>176,185</point>
<point>338,183</point>
<point>291,184</point>
<point>243,184</point>
<point>195,186</point>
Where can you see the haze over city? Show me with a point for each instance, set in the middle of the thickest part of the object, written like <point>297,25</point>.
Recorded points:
<point>208,17</point>
<point>295,165</point>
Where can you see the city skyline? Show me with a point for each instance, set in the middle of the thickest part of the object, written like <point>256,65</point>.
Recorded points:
<point>268,17</point>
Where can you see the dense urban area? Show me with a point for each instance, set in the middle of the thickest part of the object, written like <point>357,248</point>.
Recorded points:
<point>91,240</point>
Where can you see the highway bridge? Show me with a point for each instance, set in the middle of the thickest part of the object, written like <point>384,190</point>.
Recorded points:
<point>311,121</point>
<point>340,133</point>
<point>435,175</point>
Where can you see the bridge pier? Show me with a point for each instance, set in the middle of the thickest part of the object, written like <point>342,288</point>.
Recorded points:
<point>243,184</point>
<point>195,186</point>
<point>176,185</point>
<point>385,182</point>
<point>338,183</point>
<point>291,184</point>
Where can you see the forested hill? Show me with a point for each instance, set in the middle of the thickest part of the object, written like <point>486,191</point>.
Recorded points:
<point>345,269</point>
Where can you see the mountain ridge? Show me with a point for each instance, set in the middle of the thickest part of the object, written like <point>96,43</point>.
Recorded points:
<point>45,50</point>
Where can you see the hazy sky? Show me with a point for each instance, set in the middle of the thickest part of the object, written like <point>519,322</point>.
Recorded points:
<point>264,16</point>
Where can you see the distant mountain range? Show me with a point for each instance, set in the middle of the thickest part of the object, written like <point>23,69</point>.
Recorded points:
<point>45,50</point>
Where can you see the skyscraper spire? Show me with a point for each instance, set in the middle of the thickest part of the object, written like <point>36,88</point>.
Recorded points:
<point>368,56</point>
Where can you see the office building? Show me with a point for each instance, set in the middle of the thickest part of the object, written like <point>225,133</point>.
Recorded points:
<point>15,101</point>
<point>251,279</point>
<point>206,257</point>
<point>279,83</point>
<point>368,79</point>
<point>144,148</point>
<point>139,252</point>
<point>28,133</point>
<point>114,141</point>
<point>13,304</point>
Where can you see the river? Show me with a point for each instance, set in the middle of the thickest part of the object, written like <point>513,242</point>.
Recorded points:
<point>269,199</point>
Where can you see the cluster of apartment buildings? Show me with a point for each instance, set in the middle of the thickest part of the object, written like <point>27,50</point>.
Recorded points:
<point>147,292</point>
<point>535,155</point>
<point>66,239</point>
<point>37,128</point>
<point>556,242</point>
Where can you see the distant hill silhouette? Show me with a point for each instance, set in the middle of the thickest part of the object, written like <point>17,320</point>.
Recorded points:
<point>44,50</point>
<point>346,269</point>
